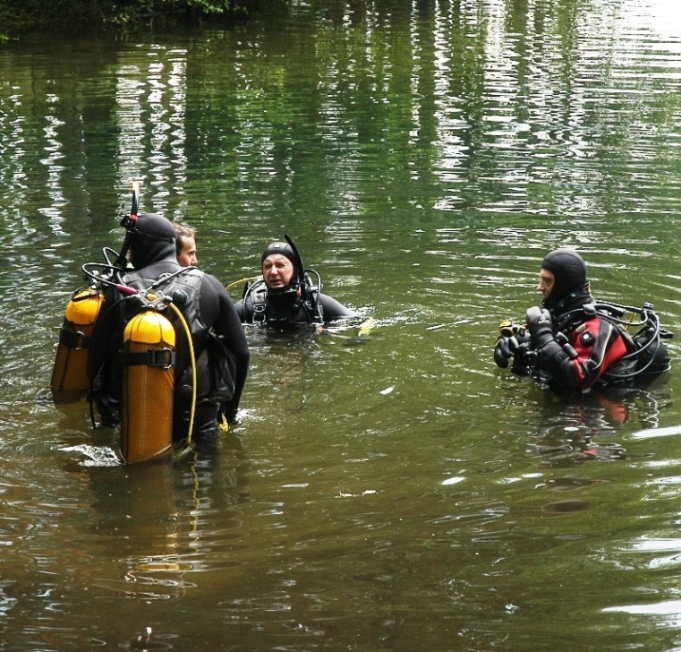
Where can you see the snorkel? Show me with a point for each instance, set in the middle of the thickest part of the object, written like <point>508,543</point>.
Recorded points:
<point>109,273</point>
<point>305,286</point>
<point>129,223</point>
<point>300,270</point>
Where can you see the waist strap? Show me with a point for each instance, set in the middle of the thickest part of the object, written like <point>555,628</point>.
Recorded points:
<point>163,358</point>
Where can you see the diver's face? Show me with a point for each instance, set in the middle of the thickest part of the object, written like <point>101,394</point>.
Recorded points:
<point>187,256</point>
<point>546,282</point>
<point>277,270</point>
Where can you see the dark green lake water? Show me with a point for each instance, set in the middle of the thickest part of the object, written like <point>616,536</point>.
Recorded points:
<point>394,492</point>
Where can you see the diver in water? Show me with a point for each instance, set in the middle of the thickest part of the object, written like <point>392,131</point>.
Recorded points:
<point>218,343</point>
<point>573,342</point>
<point>285,295</point>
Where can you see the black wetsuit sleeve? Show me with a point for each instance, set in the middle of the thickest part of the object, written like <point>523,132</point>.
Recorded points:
<point>219,313</point>
<point>554,360</point>
<point>334,309</point>
<point>240,310</point>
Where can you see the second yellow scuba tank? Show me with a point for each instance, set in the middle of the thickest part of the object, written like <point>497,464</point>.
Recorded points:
<point>69,381</point>
<point>148,358</point>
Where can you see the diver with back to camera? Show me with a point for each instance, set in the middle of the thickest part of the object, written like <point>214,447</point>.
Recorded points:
<point>154,343</point>
<point>285,295</point>
<point>574,343</point>
<point>210,359</point>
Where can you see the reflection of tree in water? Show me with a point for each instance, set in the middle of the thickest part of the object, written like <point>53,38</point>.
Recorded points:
<point>574,430</point>
<point>162,521</point>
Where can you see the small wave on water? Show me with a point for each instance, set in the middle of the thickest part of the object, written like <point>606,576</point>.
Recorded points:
<point>657,432</point>
<point>94,455</point>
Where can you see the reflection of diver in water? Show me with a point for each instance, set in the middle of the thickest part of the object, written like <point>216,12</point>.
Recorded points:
<point>576,430</point>
<point>164,519</point>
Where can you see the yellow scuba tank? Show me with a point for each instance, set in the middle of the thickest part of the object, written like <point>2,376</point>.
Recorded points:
<point>69,381</point>
<point>148,358</point>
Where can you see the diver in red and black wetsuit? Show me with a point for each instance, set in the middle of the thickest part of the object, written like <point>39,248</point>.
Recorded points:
<point>574,343</point>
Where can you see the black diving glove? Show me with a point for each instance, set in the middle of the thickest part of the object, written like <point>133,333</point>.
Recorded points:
<point>504,350</point>
<point>540,325</point>
<point>513,342</point>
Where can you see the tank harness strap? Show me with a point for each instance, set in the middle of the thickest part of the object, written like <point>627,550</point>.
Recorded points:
<point>163,358</point>
<point>74,339</point>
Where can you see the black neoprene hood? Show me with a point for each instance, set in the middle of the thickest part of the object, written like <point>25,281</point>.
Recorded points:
<point>569,271</point>
<point>153,239</point>
<point>157,227</point>
<point>281,248</point>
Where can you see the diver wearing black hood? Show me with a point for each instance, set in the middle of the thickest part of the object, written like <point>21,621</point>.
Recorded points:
<point>219,344</point>
<point>285,295</point>
<point>570,287</point>
<point>574,343</point>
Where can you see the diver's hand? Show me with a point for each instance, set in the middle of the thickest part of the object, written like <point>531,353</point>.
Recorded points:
<point>540,325</point>
<point>505,350</point>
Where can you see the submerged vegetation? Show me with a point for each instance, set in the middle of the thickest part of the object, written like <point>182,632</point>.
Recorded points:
<point>100,16</point>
